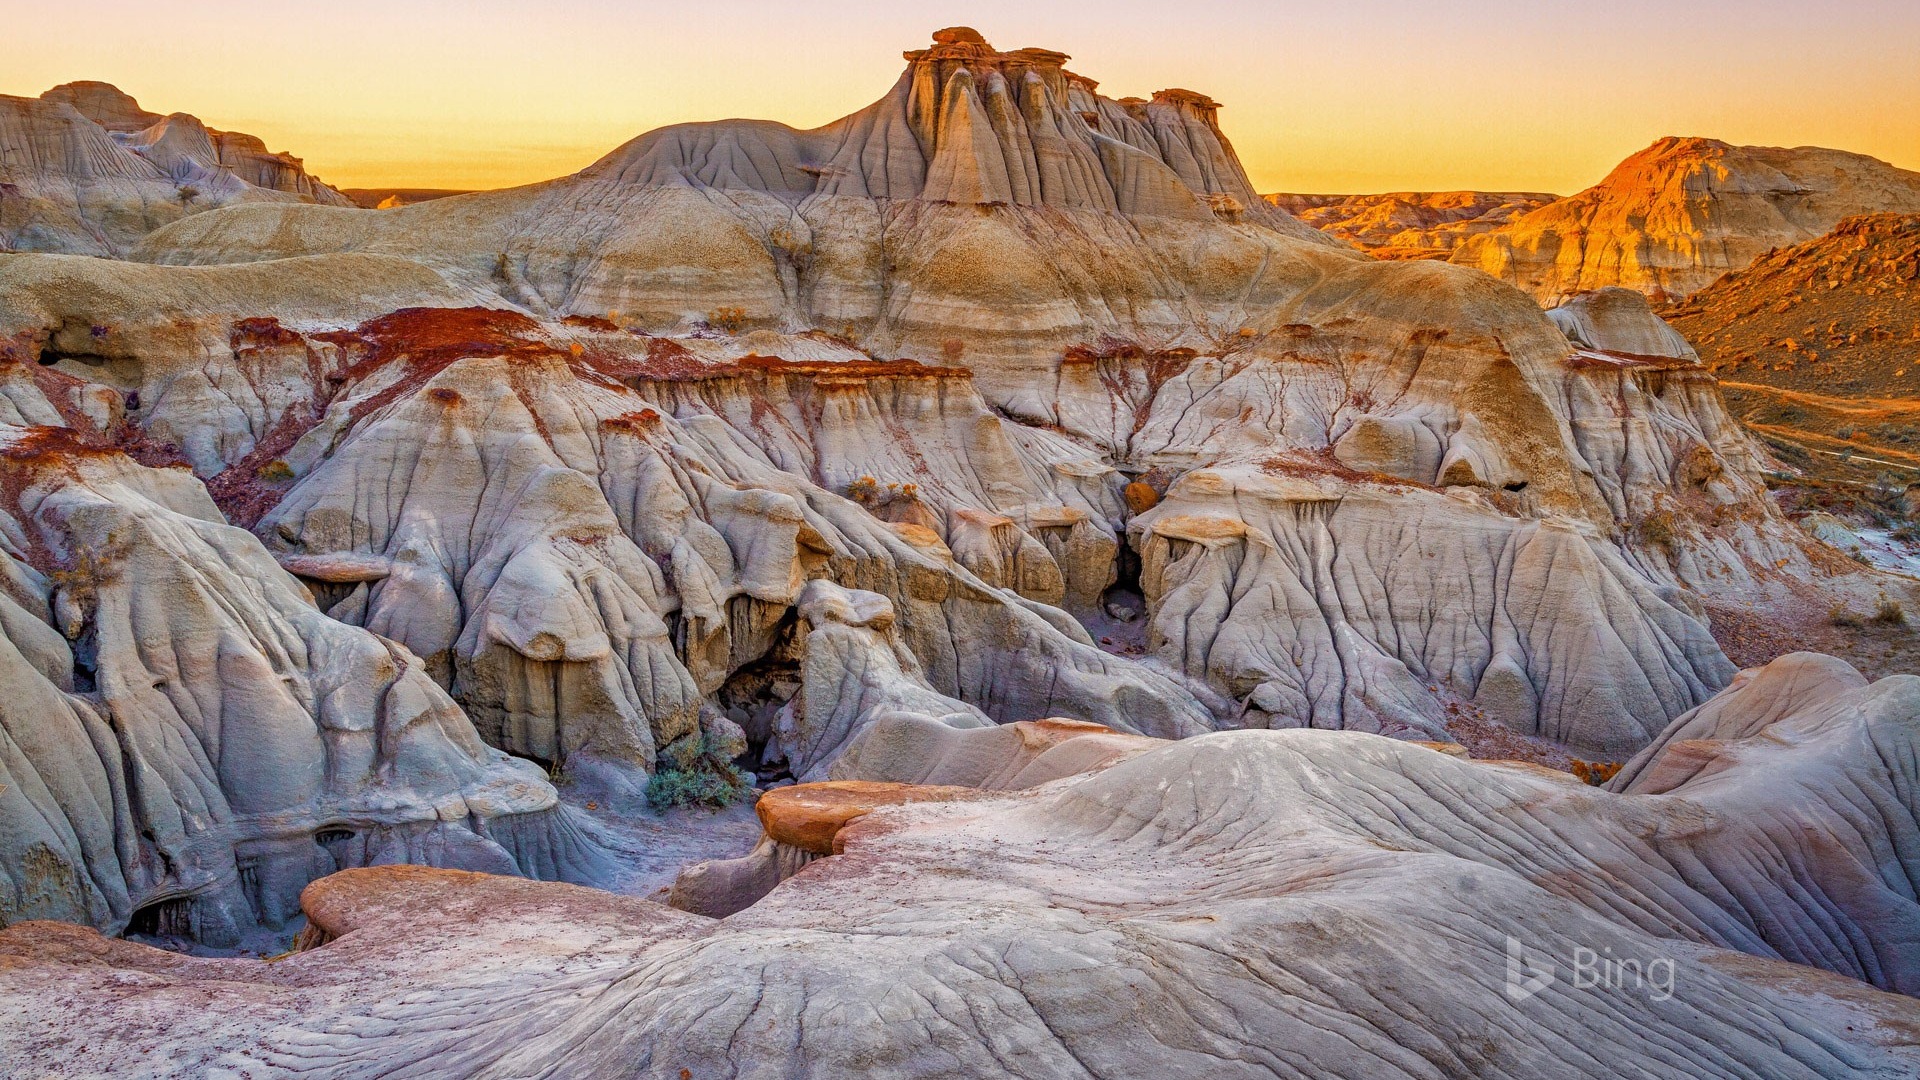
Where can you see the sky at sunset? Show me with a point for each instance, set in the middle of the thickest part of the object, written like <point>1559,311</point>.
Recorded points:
<point>1354,96</point>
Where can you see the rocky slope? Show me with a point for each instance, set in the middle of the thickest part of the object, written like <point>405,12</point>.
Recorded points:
<point>84,169</point>
<point>1816,347</point>
<point>1344,906</point>
<point>1670,219</point>
<point>992,202</point>
<point>1408,224</point>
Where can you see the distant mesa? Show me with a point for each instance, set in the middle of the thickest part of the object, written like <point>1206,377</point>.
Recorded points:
<point>1672,218</point>
<point>1665,222</point>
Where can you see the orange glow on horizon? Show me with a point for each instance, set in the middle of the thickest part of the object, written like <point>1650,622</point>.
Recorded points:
<point>1378,95</point>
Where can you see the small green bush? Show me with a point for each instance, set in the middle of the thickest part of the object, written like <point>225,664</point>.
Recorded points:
<point>709,785</point>
<point>698,770</point>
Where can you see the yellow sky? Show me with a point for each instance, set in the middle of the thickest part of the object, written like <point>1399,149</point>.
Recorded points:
<point>1369,95</point>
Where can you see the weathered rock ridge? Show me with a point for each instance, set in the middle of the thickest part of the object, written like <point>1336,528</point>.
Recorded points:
<point>84,169</point>
<point>1670,219</point>
<point>992,201</point>
<point>648,511</point>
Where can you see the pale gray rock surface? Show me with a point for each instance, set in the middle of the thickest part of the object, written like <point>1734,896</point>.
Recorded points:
<point>600,520</point>
<point>183,732</point>
<point>85,170</point>
<point>1295,903</point>
<point>208,361</point>
<point>1319,605</point>
<point>855,672</point>
<point>586,531</point>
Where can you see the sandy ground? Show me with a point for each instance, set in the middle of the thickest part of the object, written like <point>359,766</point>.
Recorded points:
<point>656,846</point>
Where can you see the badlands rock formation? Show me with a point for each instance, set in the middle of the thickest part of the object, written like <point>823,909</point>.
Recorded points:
<point>1292,904</point>
<point>186,741</point>
<point>991,199</point>
<point>1409,224</point>
<point>685,493</point>
<point>995,402</point>
<point>84,169</point>
<point>1673,217</point>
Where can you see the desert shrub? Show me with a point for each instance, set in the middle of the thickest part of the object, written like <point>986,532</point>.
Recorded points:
<point>1595,772</point>
<point>1656,529</point>
<point>709,787</point>
<point>1842,615</point>
<point>798,252</point>
<point>727,319</point>
<point>1889,612</point>
<point>868,493</point>
<point>698,770</point>
<point>276,471</point>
